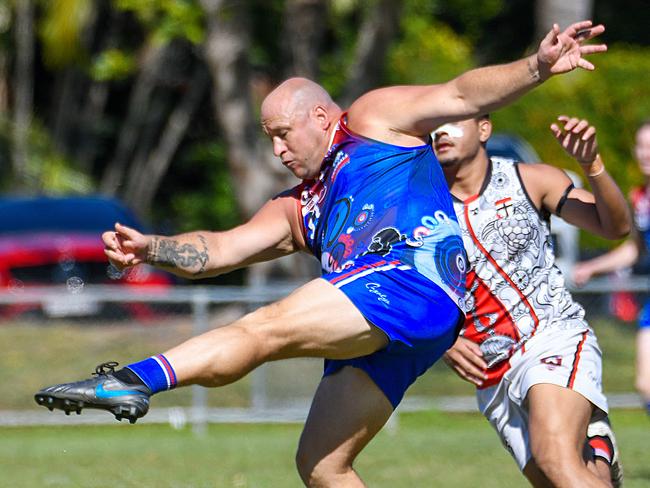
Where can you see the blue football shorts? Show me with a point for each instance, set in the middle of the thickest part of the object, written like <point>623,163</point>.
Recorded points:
<point>420,320</point>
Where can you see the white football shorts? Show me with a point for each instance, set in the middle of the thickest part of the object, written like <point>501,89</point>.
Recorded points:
<point>568,358</point>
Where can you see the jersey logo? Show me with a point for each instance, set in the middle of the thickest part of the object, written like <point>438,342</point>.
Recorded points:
<point>504,207</point>
<point>552,362</point>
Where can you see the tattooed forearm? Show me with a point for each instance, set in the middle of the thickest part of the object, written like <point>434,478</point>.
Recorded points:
<point>204,256</point>
<point>171,254</point>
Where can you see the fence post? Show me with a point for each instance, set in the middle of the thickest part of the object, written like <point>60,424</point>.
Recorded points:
<point>199,415</point>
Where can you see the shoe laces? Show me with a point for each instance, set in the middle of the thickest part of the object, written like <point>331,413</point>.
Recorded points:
<point>105,368</point>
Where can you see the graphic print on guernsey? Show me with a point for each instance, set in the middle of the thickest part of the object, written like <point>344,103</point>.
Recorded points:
<point>380,220</point>
<point>515,290</point>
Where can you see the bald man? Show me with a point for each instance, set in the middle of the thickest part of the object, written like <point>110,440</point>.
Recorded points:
<point>374,208</point>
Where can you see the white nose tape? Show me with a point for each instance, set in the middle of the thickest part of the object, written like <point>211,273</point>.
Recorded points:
<point>451,130</point>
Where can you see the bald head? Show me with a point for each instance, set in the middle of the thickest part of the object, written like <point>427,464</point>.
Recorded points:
<point>295,96</point>
<point>299,116</point>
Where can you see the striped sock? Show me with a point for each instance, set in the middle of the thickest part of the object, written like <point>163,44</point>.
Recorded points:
<point>602,447</point>
<point>155,372</point>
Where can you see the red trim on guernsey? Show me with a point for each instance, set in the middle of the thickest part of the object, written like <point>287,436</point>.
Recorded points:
<point>487,255</point>
<point>576,360</point>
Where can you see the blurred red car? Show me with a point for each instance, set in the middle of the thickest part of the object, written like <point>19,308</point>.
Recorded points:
<point>47,241</point>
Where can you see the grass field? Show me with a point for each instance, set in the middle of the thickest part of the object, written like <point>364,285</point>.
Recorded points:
<point>428,449</point>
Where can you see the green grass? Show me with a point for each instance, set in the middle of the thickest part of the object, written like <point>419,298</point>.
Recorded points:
<point>428,449</point>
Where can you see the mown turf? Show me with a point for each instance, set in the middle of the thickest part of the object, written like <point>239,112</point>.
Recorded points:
<point>428,449</point>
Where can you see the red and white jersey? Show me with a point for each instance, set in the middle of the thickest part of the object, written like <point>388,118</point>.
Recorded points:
<point>514,288</point>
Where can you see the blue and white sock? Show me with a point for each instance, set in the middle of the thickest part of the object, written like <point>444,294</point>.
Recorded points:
<point>156,372</point>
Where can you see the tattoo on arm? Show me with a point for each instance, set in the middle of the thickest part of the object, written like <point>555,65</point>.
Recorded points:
<point>171,254</point>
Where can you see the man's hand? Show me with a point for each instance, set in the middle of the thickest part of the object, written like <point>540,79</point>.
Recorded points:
<point>578,138</point>
<point>561,52</point>
<point>125,247</point>
<point>581,274</point>
<point>466,359</point>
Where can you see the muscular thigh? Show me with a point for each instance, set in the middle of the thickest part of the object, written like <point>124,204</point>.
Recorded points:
<point>557,415</point>
<point>318,320</point>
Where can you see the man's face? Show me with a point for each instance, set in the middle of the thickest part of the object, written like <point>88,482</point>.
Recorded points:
<point>642,149</point>
<point>458,141</point>
<point>298,140</point>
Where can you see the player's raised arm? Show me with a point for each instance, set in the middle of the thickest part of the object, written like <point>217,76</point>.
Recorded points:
<point>604,211</point>
<point>416,110</point>
<point>203,254</point>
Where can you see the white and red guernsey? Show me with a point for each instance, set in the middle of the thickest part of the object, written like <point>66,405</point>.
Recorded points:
<point>514,288</point>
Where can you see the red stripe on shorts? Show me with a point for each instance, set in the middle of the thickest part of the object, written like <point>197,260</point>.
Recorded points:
<point>576,360</point>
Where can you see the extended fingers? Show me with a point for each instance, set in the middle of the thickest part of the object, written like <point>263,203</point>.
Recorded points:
<point>587,33</point>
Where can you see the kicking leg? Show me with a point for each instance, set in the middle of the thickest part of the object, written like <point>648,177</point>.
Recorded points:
<point>347,412</point>
<point>317,320</point>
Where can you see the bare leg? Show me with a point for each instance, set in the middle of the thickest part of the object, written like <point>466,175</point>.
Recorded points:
<point>558,425</point>
<point>347,412</point>
<point>643,364</point>
<point>600,468</point>
<point>535,476</point>
<point>317,320</point>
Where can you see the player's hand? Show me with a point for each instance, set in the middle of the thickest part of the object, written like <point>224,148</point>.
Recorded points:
<point>466,359</point>
<point>581,274</point>
<point>578,138</point>
<point>125,247</point>
<point>561,52</point>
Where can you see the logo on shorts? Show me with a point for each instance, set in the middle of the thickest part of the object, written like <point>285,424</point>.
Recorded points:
<point>374,288</point>
<point>552,362</point>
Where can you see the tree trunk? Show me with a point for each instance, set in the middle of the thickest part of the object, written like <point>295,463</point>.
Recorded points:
<point>226,51</point>
<point>23,91</point>
<point>143,185</point>
<point>379,28</point>
<point>4,84</point>
<point>256,173</point>
<point>304,32</point>
<point>562,12</point>
<point>113,176</point>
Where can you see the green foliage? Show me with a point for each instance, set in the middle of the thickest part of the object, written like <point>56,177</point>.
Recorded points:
<point>112,64</point>
<point>211,204</point>
<point>428,52</point>
<point>613,98</point>
<point>48,171</point>
<point>168,19</point>
<point>61,28</point>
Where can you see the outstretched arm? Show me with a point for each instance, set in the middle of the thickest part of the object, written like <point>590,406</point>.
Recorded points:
<point>203,254</point>
<point>620,257</point>
<point>395,113</point>
<point>603,212</point>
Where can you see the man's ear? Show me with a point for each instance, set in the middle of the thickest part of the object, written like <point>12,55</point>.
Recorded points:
<point>319,113</point>
<point>484,129</point>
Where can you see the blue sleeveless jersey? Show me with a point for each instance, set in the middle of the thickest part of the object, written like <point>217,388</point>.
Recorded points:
<point>380,219</point>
